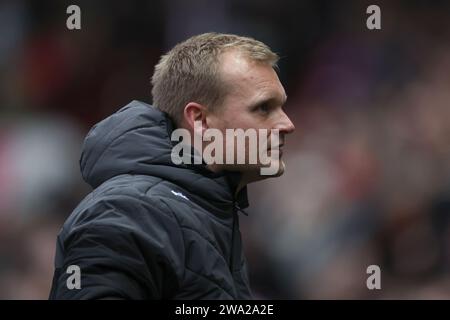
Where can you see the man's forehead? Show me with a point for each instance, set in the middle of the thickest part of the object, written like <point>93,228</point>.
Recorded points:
<point>244,74</point>
<point>235,64</point>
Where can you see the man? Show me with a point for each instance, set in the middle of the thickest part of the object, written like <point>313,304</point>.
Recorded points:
<point>153,229</point>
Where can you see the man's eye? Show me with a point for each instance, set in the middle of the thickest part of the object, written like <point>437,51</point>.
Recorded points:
<point>264,108</point>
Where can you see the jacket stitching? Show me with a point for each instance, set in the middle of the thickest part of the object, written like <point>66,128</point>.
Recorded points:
<point>211,280</point>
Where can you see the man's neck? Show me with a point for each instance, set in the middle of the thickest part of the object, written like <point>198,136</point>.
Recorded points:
<point>246,178</point>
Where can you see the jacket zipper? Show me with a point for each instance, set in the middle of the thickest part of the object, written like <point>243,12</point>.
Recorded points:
<point>236,246</point>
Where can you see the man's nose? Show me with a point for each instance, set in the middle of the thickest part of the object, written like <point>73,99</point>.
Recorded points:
<point>285,124</point>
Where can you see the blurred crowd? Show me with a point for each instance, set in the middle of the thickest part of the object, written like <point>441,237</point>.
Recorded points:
<point>368,168</point>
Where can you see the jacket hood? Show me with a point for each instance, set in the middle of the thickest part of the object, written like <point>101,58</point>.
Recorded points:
<point>136,140</point>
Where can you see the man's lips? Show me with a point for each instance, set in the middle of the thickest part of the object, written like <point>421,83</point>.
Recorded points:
<point>279,148</point>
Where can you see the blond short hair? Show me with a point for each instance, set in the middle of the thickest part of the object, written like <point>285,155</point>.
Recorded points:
<point>189,72</point>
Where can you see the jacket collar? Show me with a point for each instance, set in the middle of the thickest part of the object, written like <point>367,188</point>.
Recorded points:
<point>136,140</point>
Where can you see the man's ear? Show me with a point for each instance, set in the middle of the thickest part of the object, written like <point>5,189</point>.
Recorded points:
<point>195,113</point>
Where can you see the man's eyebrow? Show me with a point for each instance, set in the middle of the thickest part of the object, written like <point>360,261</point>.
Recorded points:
<point>270,100</point>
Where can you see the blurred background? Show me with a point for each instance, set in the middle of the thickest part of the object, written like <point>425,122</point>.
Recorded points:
<point>368,168</point>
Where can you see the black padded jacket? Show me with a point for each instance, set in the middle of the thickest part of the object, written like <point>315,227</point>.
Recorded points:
<point>150,229</point>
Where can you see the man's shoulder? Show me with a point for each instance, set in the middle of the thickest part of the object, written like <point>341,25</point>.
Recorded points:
<point>135,201</point>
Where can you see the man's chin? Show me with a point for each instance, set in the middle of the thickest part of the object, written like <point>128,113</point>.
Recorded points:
<point>281,167</point>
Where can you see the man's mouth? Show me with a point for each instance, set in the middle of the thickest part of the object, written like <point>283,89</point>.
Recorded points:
<point>279,148</point>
